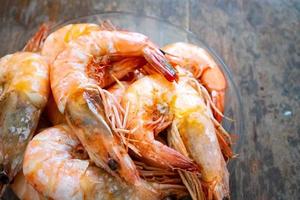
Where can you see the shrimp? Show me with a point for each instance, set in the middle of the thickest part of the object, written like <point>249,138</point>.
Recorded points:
<point>203,67</point>
<point>58,167</point>
<point>76,83</point>
<point>24,88</point>
<point>56,42</point>
<point>149,99</point>
<point>192,121</point>
<point>196,129</point>
<point>54,45</point>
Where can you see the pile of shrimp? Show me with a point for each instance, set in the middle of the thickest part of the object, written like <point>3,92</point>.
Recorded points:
<point>94,112</point>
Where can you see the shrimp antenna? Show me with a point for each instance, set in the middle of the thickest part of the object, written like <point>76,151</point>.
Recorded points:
<point>118,81</point>
<point>162,51</point>
<point>200,88</point>
<point>166,53</point>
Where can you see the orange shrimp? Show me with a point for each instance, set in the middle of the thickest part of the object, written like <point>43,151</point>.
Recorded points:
<point>56,42</point>
<point>76,77</point>
<point>193,122</point>
<point>149,99</point>
<point>198,61</point>
<point>57,166</point>
<point>24,89</point>
<point>203,67</point>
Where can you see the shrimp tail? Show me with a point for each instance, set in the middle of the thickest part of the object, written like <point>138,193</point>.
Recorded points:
<point>164,156</point>
<point>18,120</point>
<point>213,79</point>
<point>36,42</point>
<point>107,25</point>
<point>157,59</point>
<point>85,115</point>
<point>221,189</point>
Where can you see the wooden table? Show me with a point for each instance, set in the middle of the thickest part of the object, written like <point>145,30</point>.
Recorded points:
<point>259,40</point>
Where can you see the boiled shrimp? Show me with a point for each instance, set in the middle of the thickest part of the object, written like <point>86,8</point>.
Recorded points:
<point>204,68</point>
<point>54,44</point>
<point>149,100</point>
<point>198,61</point>
<point>193,122</point>
<point>58,167</point>
<point>24,88</point>
<point>57,41</point>
<point>76,83</point>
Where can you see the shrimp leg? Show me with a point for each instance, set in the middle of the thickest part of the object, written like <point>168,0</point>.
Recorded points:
<point>150,99</point>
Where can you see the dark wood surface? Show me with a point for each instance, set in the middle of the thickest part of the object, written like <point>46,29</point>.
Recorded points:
<point>258,39</point>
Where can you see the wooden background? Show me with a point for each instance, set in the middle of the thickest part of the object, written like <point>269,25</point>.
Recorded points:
<point>258,39</point>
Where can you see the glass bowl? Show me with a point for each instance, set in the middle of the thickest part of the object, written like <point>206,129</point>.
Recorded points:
<point>162,33</point>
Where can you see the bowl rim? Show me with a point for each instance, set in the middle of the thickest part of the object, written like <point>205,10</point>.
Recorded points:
<point>211,51</point>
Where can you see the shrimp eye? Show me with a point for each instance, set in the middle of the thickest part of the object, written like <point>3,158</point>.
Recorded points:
<point>163,52</point>
<point>113,165</point>
<point>4,179</point>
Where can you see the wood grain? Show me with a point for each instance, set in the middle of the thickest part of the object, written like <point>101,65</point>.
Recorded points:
<point>259,40</point>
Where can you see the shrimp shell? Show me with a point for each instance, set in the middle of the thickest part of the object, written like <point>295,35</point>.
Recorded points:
<point>24,89</point>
